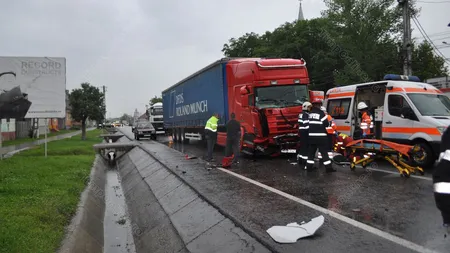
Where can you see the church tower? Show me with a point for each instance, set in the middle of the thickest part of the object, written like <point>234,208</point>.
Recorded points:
<point>300,12</point>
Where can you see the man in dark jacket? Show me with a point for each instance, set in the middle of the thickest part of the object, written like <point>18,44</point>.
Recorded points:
<point>317,137</point>
<point>441,180</point>
<point>233,138</point>
<point>303,126</point>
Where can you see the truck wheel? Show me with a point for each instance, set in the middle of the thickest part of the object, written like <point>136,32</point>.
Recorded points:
<point>429,158</point>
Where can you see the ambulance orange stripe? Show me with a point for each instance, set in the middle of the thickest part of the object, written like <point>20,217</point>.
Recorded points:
<point>404,130</point>
<point>421,90</point>
<point>341,94</point>
<point>428,130</point>
<point>343,128</point>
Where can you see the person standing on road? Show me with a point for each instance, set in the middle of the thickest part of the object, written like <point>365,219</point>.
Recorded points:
<point>233,138</point>
<point>441,180</point>
<point>331,130</point>
<point>366,120</point>
<point>317,137</point>
<point>211,135</point>
<point>303,126</point>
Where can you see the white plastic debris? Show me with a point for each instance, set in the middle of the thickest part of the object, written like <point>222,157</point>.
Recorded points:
<point>293,231</point>
<point>293,163</point>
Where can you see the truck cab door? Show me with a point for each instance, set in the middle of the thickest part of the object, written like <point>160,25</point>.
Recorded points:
<point>397,122</point>
<point>246,106</point>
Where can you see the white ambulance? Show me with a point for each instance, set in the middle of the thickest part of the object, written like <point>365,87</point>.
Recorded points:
<point>404,110</point>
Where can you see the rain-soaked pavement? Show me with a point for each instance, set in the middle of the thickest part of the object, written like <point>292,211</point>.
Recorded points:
<point>379,197</point>
<point>117,229</point>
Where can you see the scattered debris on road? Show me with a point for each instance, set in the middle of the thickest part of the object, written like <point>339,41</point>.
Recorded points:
<point>293,231</point>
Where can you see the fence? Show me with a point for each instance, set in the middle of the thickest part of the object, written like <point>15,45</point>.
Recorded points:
<point>23,128</point>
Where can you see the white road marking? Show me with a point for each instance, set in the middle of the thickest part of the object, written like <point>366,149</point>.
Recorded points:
<point>396,172</point>
<point>380,233</point>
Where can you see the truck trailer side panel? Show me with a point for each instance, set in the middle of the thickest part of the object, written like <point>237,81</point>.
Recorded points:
<point>192,102</point>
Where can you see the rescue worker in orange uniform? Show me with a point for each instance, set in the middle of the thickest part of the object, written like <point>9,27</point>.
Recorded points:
<point>366,120</point>
<point>331,129</point>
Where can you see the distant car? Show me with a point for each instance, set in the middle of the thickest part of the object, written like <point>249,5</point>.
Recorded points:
<point>144,129</point>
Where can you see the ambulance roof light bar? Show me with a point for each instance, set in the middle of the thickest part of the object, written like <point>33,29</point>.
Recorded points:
<point>395,77</point>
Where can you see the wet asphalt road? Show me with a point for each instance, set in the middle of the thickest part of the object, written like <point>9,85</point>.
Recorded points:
<point>384,200</point>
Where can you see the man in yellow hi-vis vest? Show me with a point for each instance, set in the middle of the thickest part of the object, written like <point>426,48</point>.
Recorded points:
<point>211,135</point>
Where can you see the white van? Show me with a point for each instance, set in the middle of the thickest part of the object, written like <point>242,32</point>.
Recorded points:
<point>404,111</point>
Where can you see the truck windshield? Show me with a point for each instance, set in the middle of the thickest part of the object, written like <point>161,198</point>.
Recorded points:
<point>431,104</point>
<point>157,111</point>
<point>281,96</point>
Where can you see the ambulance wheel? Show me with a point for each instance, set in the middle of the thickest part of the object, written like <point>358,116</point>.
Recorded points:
<point>428,160</point>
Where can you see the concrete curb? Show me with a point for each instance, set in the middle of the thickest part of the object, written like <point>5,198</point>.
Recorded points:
<point>203,226</point>
<point>85,232</point>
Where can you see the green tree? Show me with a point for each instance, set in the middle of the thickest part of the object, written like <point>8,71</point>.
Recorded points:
<point>426,64</point>
<point>126,117</point>
<point>156,99</point>
<point>87,103</point>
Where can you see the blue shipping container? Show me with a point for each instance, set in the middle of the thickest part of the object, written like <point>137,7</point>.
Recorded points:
<point>194,100</point>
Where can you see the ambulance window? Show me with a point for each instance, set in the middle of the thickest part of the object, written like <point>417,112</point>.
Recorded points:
<point>338,108</point>
<point>396,103</point>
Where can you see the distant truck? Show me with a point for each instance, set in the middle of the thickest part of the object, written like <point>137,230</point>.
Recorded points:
<point>156,117</point>
<point>265,94</point>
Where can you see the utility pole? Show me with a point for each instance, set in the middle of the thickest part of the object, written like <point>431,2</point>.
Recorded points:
<point>407,46</point>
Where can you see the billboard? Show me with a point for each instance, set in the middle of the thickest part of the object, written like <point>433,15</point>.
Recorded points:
<point>32,87</point>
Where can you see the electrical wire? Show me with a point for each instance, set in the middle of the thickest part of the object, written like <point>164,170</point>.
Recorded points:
<point>422,31</point>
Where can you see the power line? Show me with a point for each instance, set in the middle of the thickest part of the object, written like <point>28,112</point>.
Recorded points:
<point>422,31</point>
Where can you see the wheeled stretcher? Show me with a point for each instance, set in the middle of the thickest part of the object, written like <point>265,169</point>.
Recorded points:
<point>364,151</point>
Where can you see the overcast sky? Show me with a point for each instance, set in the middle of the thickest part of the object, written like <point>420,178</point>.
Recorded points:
<point>137,48</point>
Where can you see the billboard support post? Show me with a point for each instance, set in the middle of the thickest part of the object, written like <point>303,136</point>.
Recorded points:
<point>45,138</point>
<point>1,139</point>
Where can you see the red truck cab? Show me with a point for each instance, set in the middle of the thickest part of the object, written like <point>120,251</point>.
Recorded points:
<point>267,96</point>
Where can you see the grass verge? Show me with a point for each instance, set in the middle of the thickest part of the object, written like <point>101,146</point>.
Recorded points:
<point>25,140</point>
<point>39,195</point>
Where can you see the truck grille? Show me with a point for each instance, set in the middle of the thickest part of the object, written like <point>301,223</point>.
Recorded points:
<point>279,125</point>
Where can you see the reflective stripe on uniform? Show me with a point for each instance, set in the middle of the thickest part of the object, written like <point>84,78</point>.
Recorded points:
<point>317,134</point>
<point>327,162</point>
<point>324,118</point>
<point>208,128</point>
<point>310,162</point>
<point>306,127</point>
<point>442,187</point>
<point>315,123</point>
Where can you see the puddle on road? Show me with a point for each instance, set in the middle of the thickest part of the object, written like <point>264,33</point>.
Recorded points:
<point>117,228</point>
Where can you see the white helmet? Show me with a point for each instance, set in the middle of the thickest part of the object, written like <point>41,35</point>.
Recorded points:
<point>362,106</point>
<point>306,105</point>
<point>323,109</point>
